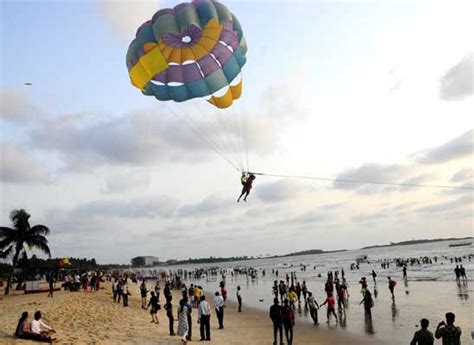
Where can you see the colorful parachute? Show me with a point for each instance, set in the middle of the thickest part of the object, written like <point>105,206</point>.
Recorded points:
<point>194,50</point>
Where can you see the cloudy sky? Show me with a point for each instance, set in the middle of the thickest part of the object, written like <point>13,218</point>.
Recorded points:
<point>350,90</point>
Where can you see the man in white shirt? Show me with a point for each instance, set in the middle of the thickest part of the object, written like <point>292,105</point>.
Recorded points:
<point>37,326</point>
<point>204,317</point>
<point>219,305</point>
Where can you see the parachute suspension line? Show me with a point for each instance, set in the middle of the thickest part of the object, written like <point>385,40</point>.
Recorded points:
<point>224,133</point>
<point>245,125</point>
<point>229,134</point>
<point>196,132</point>
<point>365,181</point>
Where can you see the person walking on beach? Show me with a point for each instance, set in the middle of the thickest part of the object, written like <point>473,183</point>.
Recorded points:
<point>143,293</point>
<point>391,285</point>
<point>119,290</point>
<point>288,317</point>
<point>239,298</point>
<point>219,306</point>
<point>423,336</point>
<point>276,315</point>
<point>155,306</point>
<point>204,318</point>
<point>331,309</point>
<point>169,313</point>
<point>313,307</point>
<point>183,321</point>
<point>368,304</point>
<point>448,332</point>
<point>405,277</point>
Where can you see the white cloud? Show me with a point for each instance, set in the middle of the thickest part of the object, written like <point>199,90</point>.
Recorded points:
<point>457,148</point>
<point>16,106</point>
<point>126,16</point>
<point>18,165</point>
<point>456,84</point>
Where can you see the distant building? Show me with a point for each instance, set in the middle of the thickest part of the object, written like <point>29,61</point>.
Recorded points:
<point>145,261</point>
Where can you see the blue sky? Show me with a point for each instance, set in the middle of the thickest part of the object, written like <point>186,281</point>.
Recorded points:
<point>362,90</point>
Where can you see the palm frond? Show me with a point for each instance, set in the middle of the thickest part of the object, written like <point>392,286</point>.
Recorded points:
<point>4,254</point>
<point>40,230</point>
<point>6,242</point>
<point>39,242</point>
<point>7,232</point>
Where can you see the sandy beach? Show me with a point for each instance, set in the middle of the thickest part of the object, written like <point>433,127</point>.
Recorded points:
<point>92,318</point>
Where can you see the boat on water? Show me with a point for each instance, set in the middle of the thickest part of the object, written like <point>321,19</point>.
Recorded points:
<point>462,244</point>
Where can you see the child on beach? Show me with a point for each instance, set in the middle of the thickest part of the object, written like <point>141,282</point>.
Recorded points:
<point>155,306</point>
<point>331,309</point>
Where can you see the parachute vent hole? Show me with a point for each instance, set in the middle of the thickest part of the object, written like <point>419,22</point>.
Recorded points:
<point>186,39</point>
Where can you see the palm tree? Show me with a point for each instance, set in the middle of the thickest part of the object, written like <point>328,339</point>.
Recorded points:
<point>14,239</point>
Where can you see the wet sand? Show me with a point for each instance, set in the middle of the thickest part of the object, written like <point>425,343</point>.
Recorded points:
<point>85,317</point>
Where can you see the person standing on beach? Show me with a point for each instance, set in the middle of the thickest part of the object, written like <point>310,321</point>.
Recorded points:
<point>157,290</point>
<point>405,277</point>
<point>183,321</point>
<point>462,272</point>
<point>298,291</point>
<point>219,306</point>
<point>114,290</point>
<point>304,290</point>
<point>391,285</point>
<point>125,293</point>
<point>374,276</point>
<point>169,313</point>
<point>276,315</point>
<point>423,336</point>
<point>331,309</point>
<point>204,318</point>
<point>191,293</point>
<point>457,272</point>
<point>143,293</point>
<point>288,317</point>
<point>190,318</point>
<point>155,306</point>
<point>239,298</point>
<point>167,292</point>
<point>450,334</point>
<point>313,307</point>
